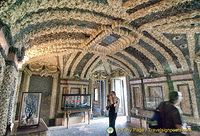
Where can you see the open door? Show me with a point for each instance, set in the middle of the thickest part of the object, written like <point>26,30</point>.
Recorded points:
<point>120,89</point>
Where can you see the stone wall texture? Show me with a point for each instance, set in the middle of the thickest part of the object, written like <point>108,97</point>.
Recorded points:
<point>13,97</point>
<point>5,91</point>
<point>2,65</point>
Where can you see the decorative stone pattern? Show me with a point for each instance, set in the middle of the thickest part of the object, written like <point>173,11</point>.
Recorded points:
<point>2,65</point>
<point>193,98</point>
<point>163,52</point>
<point>6,91</point>
<point>112,16</point>
<point>160,6</point>
<point>13,97</point>
<point>43,17</point>
<point>151,57</point>
<point>140,64</point>
<point>88,64</point>
<point>174,49</point>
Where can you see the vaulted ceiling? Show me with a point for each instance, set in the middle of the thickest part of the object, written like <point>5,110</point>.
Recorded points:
<point>84,36</point>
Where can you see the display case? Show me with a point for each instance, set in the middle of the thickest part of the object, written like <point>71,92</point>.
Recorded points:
<point>76,101</point>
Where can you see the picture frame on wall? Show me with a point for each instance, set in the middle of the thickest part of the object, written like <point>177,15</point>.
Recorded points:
<point>154,97</point>
<point>30,109</point>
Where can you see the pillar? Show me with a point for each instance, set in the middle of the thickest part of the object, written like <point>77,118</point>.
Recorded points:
<point>2,65</point>
<point>7,90</point>
<point>196,79</point>
<point>106,93</point>
<point>128,98</point>
<point>26,81</point>
<point>91,91</point>
<point>17,100</point>
<point>53,96</point>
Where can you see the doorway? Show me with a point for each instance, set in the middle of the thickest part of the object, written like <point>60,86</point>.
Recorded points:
<point>119,86</point>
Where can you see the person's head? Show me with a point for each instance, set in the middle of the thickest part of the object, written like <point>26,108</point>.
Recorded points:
<point>175,97</point>
<point>112,93</point>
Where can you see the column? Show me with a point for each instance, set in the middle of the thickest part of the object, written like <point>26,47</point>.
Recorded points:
<point>128,98</point>
<point>106,93</point>
<point>7,88</point>
<point>26,81</point>
<point>196,79</point>
<point>2,65</point>
<point>53,96</point>
<point>90,91</point>
<point>17,100</point>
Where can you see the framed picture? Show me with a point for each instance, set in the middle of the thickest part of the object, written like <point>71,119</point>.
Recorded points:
<point>30,109</point>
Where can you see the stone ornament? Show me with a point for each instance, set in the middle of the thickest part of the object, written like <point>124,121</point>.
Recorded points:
<point>43,69</point>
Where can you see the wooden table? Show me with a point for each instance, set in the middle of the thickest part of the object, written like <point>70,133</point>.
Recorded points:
<point>141,117</point>
<point>68,112</point>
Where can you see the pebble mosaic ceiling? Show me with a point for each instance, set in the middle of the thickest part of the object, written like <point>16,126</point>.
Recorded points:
<point>134,35</point>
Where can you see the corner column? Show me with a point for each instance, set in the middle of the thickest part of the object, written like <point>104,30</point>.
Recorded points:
<point>53,96</point>
<point>129,98</point>
<point>26,81</point>
<point>7,91</point>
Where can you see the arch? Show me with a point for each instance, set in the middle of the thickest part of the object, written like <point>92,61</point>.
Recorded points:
<point>66,67</point>
<point>88,65</point>
<point>135,71</point>
<point>58,29</point>
<point>162,51</point>
<point>28,7</point>
<point>128,71</point>
<point>90,68</point>
<point>160,6</point>
<point>151,57</point>
<point>140,64</point>
<point>173,48</point>
<point>76,63</point>
<point>52,15</point>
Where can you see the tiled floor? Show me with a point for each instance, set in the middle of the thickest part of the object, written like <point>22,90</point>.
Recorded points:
<point>98,127</point>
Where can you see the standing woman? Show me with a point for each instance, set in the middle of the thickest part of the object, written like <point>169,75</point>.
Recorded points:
<point>113,107</point>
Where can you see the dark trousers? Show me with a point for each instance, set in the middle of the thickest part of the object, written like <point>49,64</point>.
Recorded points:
<point>112,118</point>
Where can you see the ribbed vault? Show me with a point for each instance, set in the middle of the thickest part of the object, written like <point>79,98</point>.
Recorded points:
<point>80,37</point>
